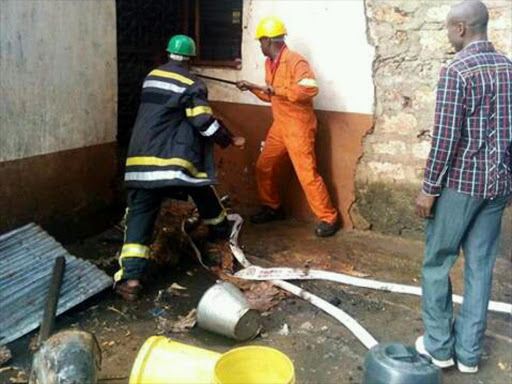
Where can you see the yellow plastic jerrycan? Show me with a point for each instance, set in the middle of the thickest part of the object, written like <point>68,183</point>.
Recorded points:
<point>164,361</point>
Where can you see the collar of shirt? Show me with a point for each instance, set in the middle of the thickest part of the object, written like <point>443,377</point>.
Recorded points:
<point>275,63</point>
<point>478,47</point>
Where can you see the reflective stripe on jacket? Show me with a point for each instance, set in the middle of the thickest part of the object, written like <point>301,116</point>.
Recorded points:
<point>173,137</point>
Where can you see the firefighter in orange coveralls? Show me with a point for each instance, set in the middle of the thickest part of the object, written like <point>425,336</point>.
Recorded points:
<point>290,88</point>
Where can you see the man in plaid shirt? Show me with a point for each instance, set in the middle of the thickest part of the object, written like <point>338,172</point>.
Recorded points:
<point>467,185</point>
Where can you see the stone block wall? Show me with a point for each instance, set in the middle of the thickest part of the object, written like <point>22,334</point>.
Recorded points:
<point>411,46</point>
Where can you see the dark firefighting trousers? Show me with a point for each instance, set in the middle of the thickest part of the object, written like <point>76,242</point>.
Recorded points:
<point>141,214</point>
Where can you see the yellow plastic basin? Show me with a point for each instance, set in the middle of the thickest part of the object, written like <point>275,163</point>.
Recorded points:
<point>164,361</point>
<point>254,365</point>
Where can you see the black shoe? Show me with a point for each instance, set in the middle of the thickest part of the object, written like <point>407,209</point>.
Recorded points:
<point>325,229</point>
<point>267,215</point>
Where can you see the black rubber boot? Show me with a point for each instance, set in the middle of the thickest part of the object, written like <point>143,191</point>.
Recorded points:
<point>325,229</point>
<point>267,215</point>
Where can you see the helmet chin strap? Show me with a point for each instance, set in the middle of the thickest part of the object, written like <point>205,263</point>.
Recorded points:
<point>176,57</point>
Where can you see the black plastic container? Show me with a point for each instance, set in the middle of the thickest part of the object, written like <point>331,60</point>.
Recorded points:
<point>394,363</point>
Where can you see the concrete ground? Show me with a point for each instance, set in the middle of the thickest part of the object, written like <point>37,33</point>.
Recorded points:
<point>323,350</point>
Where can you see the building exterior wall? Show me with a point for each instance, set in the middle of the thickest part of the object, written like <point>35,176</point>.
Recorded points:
<point>58,86</point>
<point>58,80</point>
<point>344,106</point>
<point>411,46</point>
<point>316,29</point>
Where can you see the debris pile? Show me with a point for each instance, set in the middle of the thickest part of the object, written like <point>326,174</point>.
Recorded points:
<point>169,241</point>
<point>166,326</point>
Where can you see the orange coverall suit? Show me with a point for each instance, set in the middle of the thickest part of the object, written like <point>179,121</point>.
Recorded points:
<point>293,133</point>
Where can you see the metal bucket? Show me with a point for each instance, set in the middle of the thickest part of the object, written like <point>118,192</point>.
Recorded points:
<point>394,363</point>
<point>223,309</point>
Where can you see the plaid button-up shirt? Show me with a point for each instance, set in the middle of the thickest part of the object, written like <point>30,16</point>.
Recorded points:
<point>472,138</point>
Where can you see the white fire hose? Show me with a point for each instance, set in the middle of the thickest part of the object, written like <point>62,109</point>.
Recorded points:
<point>257,273</point>
<point>277,276</point>
<point>362,334</point>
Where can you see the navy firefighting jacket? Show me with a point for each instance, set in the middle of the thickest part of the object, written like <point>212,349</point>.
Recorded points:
<point>174,133</point>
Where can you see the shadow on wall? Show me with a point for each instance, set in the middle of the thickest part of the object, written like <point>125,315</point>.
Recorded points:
<point>338,149</point>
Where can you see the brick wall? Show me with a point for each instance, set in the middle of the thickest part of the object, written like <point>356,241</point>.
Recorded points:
<point>411,46</point>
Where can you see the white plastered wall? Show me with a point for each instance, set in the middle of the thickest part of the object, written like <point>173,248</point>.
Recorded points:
<point>330,34</point>
<point>58,76</point>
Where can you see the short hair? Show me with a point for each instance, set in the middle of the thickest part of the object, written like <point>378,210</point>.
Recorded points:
<point>473,13</point>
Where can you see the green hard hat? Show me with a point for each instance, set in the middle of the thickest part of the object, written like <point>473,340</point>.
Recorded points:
<point>182,45</point>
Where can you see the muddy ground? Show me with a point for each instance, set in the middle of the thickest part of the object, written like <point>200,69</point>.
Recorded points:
<point>323,351</point>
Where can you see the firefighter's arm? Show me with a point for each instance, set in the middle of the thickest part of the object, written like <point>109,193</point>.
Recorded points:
<point>200,116</point>
<point>303,86</point>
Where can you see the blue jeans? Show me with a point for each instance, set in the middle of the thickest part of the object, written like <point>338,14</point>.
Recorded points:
<point>473,225</point>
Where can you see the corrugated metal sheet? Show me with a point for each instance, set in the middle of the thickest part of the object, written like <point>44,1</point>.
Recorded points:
<point>26,262</point>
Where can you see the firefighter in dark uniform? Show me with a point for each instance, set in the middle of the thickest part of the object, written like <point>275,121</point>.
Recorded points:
<point>170,156</point>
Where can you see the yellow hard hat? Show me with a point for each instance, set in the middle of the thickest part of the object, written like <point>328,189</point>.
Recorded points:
<point>270,27</point>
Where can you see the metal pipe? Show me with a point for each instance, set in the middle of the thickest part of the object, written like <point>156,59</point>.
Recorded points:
<point>53,299</point>
<point>217,79</point>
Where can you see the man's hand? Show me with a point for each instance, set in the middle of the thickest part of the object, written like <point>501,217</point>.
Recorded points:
<point>424,204</point>
<point>268,89</point>
<point>244,85</point>
<point>238,141</point>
